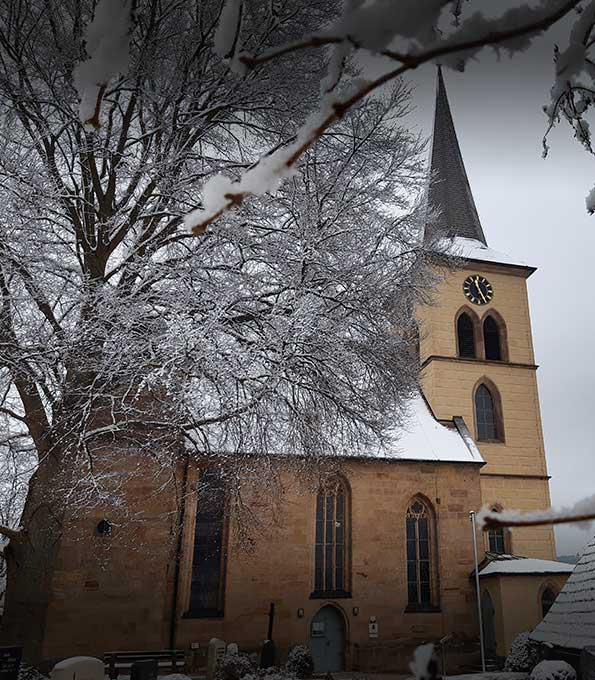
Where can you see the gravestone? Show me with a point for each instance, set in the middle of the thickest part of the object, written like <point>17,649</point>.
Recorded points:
<point>588,663</point>
<point>232,648</point>
<point>144,670</point>
<point>10,661</point>
<point>78,668</point>
<point>214,657</point>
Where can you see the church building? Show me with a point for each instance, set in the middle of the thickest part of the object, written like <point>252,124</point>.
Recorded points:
<point>377,558</point>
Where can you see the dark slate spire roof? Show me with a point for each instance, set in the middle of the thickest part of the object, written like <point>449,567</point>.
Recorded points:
<point>449,191</point>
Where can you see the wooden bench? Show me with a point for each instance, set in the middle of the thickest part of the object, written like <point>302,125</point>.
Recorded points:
<point>121,662</point>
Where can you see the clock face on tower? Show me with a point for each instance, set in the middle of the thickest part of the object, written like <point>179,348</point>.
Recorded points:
<point>478,289</point>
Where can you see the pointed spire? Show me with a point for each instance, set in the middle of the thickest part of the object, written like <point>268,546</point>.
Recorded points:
<point>449,191</point>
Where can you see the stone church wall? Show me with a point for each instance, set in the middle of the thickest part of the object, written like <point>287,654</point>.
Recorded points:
<point>281,566</point>
<point>115,592</point>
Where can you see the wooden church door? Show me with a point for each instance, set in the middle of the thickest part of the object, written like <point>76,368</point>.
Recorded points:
<point>327,640</point>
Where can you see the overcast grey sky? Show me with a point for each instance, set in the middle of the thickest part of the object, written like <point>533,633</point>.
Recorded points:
<point>534,209</point>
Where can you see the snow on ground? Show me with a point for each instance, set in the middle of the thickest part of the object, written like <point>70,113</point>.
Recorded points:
<point>491,675</point>
<point>553,670</point>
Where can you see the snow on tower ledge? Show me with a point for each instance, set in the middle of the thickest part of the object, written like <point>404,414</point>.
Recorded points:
<point>476,251</point>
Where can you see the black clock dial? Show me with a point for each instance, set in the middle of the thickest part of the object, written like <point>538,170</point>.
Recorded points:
<point>478,289</point>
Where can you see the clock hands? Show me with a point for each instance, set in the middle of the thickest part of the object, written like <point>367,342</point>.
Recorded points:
<point>479,289</point>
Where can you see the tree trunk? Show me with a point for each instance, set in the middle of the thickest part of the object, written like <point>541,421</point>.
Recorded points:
<point>30,560</point>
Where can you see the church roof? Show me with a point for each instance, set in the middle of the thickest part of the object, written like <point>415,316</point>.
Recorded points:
<point>570,622</point>
<point>449,193</point>
<point>499,565</point>
<point>473,250</point>
<point>424,438</point>
<point>418,437</point>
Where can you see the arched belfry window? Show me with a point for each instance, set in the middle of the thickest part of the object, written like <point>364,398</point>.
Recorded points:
<point>548,597</point>
<point>332,550</point>
<point>421,568</point>
<point>488,420</point>
<point>491,339</point>
<point>466,336</point>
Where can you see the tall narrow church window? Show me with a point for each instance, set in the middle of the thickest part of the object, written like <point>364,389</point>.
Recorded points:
<point>485,415</point>
<point>491,339</point>
<point>466,336</point>
<point>419,568</point>
<point>547,600</point>
<point>496,540</point>
<point>331,550</point>
<point>206,590</point>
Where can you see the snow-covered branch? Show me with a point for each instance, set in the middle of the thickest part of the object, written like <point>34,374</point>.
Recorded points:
<point>373,27</point>
<point>107,40</point>
<point>582,511</point>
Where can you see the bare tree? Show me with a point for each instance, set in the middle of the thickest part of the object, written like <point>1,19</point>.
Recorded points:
<point>121,334</point>
<point>406,36</point>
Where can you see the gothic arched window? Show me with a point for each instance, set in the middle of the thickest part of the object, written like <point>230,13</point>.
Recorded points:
<point>420,569</point>
<point>466,336</point>
<point>487,420</point>
<point>331,552</point>
<point>547,600</point>
<point>208,560</point>
<point>491,339</point>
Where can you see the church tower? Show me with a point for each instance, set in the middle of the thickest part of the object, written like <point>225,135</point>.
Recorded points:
<point>476,349</point>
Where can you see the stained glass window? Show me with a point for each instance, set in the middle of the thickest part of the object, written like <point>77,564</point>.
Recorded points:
<point>206,590</point>
<point>418,534</point>
<point>330,552</point>
<point>485,415</point>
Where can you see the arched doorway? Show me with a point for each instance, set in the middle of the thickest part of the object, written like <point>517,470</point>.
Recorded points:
<point>327,640</point>
<point>489,626</point>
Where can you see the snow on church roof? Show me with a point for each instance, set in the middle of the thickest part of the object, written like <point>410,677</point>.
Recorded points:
<point>419,437</point>
<point>570,622</point>
<point>513,564</point>
<point>422,437</point>
<point>472,249</point>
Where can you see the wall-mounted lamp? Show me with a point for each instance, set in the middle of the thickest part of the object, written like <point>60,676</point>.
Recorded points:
<point>300,613</point>
<point>104,528</point>
<point>355,611</point>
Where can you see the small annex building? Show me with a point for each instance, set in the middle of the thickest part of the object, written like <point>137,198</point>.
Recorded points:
<point>569,626</point>
<point>374,558</point>
<point>516,593</point>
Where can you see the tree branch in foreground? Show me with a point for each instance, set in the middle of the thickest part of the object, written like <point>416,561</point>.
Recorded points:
<point>583,511</point>
<point>221,194</point>
<point>8,532</point>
